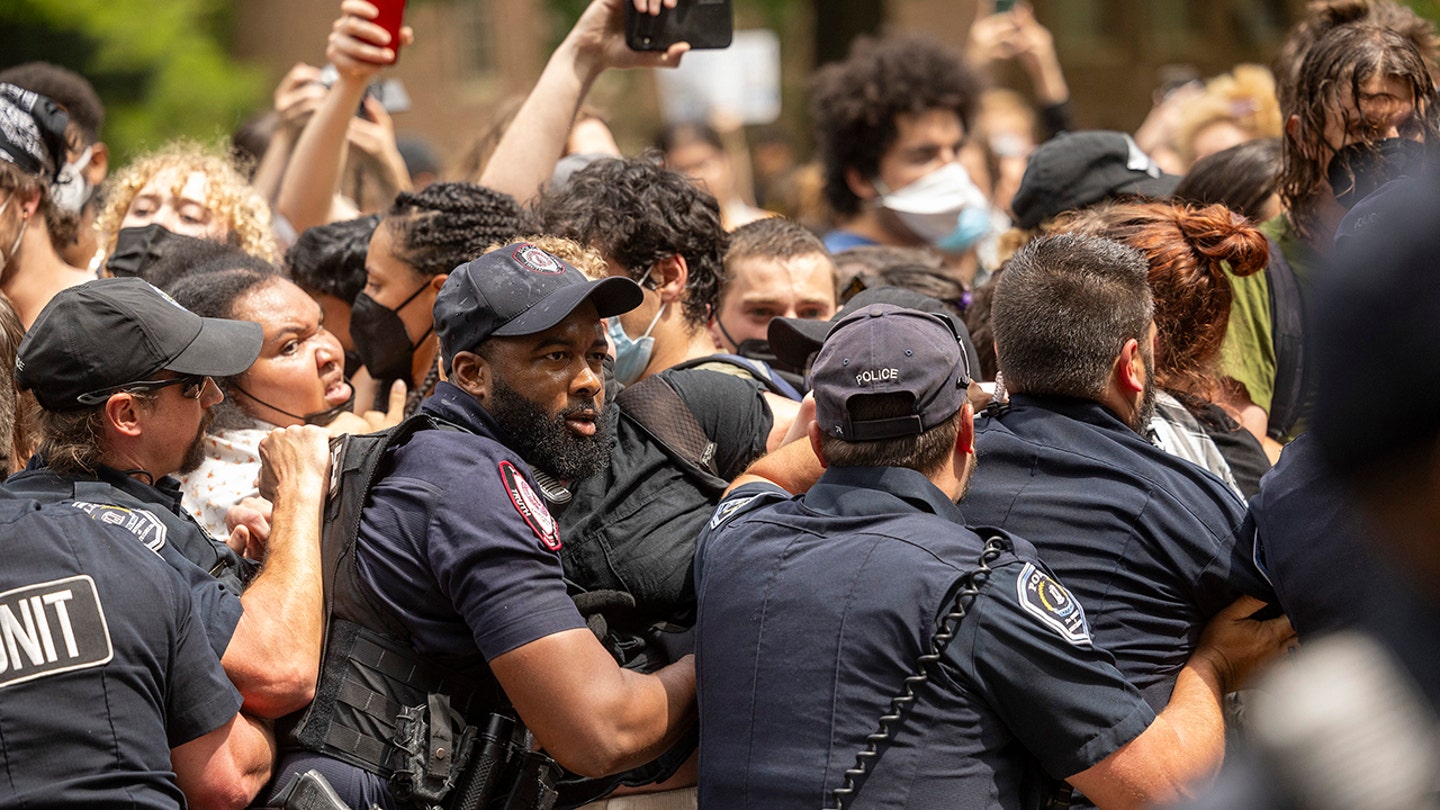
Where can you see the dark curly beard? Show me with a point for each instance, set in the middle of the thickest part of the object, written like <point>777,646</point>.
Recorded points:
<point>543,439</point>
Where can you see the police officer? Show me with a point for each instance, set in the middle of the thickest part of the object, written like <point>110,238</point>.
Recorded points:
<point>816,611</point>
<point>112,695</point>
<point>1152,545</point>
<point>123,377</point>
<point>456,589</point>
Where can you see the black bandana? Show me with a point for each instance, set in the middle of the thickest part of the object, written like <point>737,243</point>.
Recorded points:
<point>32,132</point>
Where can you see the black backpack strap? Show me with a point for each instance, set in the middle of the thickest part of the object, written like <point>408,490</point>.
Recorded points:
<point>659,411</point>
<point>1287,326</point>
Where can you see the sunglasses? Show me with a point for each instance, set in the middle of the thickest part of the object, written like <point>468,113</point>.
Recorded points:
<point>192,385</point>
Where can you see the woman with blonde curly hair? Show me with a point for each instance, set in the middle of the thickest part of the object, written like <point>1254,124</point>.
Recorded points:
<point>1236,107</point>
<point>192,191</point>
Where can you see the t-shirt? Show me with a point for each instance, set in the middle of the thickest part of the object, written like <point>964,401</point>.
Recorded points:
<point>1248,353</point>
<point>104,666</point>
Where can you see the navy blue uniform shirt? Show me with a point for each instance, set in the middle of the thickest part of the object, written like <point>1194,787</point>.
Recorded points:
<point>154,517</point>
<point>1152,545</point>
<point>104,666</point>
<point>455,542</point>
<point>812,612</point>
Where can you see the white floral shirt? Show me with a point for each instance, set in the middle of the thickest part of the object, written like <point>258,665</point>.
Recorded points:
<point>227,476</point>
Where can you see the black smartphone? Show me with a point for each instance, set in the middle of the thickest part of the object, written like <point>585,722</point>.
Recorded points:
<point>705,24</point>
<point>1003,6</point>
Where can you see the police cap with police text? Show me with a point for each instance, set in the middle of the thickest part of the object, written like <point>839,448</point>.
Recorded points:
<point>885,349</point>
<point>519,290</point>
<point>102,335</point>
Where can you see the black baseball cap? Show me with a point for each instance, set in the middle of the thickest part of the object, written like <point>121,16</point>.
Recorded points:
<point>795,340</point>
<point>518,290</point>
<point>885,349</point>
<point>1076,169</point>
<point>104,334</point>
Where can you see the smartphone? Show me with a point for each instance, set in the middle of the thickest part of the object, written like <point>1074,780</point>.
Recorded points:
<point>392,15</point>
<point>705,24</point>
<point>1004,6</point>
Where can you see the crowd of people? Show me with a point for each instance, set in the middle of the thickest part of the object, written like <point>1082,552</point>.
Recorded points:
<point>982,462</point>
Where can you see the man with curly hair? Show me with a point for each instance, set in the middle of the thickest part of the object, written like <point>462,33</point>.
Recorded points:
<point>891,120</point>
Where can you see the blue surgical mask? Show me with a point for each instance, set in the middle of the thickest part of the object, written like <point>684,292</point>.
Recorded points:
<point>632,356</point>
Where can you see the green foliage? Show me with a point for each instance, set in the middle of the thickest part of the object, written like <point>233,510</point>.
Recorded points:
<point>160,66</point>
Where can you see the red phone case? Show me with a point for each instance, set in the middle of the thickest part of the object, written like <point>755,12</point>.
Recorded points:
<point>392,14</point>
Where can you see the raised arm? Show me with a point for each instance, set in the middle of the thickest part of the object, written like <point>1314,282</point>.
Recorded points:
<point>358,48</point>
<point>274,656</point>
<point>527,154</point>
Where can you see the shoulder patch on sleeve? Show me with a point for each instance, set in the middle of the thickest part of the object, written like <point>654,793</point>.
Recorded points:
<point>1047,600</point>
<point>530,507</point>
<point>140,522</point>
<point>729,509</point>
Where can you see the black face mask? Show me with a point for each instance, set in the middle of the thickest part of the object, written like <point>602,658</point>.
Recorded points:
<point>381,340</point>
<point>321,418</point>
<point>1359,169</point>
<point>136,249</point>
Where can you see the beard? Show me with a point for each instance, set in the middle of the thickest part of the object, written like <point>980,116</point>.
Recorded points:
<point>544,440</point>
<point>195,453</point>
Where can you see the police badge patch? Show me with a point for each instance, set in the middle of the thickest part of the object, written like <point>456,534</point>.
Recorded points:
<point>1047,600</point>
<point>140,522</point>
<point>727,510</point>
<point>530,507</point>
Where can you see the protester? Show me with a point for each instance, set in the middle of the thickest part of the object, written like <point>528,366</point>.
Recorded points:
<point>419,241</point>
<point>34,142</point>
<point>87,162</point>
<point>189,190</point>
<point>1361,103</point>
<point>891,120</point>
<point>328,262</point>
<point>1235,108</point>
<point>298,379</point>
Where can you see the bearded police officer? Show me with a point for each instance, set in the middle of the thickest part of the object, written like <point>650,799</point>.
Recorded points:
<point>817,611</point>
<point>456,596</point>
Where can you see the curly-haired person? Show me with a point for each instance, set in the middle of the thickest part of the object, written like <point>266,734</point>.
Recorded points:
<point>190,190</point>
<point>890,121</point>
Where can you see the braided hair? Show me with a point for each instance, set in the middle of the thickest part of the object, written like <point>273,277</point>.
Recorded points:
<point>445,225</point>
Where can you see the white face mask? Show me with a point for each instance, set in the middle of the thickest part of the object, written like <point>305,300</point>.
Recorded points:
<point>71,190</point>
<point>945,207</point>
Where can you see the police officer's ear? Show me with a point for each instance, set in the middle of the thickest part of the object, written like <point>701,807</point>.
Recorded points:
<point>122,414</point>
<point>965,436</point>
<point>471,372</point>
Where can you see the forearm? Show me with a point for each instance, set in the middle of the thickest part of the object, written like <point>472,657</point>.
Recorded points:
<point>664,710</point>
<point>793,467</point>
<point>532,145</point>
<point>228,767</point>
<point>274,656</point>
<point>1048,79</point>
<point>313,174</point>
<point>1176,754</point>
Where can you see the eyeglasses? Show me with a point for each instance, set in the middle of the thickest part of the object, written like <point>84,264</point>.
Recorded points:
<point>192,386</point>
